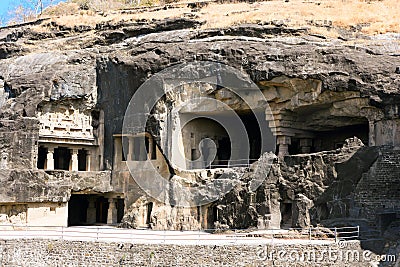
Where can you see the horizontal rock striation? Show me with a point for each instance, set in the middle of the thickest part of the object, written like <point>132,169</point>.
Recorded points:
<point>321,92</point>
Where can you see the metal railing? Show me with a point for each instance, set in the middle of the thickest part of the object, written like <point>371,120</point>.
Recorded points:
<point>204,236</point>
<point>244,163</point>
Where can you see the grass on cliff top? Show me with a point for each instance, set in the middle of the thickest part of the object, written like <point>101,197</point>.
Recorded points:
<point>370,17</point>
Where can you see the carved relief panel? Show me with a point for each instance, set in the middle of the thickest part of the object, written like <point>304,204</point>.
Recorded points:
<point>65,121</point>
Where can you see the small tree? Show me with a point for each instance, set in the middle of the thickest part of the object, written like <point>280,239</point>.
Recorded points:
<point>39,7</point>
<point>20,14</point>
<point>28,10</point>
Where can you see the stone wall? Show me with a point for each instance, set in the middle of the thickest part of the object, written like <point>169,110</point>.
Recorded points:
<point>388,132</point>
<point>18,138</point>
<point>312,85</point>
<point>79,253</point>
<point>34,214</point>
<point>378,190</point>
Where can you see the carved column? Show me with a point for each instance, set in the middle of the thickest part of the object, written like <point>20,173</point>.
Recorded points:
<point>371,138</point>
<point>112,212</point>
<point>91,211</point>
<point>50,159</point>
<point>150,152</point>
<point>305,145</point>
<point>74,160</point>
<point>88,161</point>
<point>117,150</point>
<point>373,115</point>
<point>131,148</point>
<point>142,149</point>
<point>283,142</point>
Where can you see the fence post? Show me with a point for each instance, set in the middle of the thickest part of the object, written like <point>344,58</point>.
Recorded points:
<point>62,232</point>
<point>336,237</point>
<point>199,237</point>
<point>309,233</point>
<point>97,234</point>
<point>235,236</point>
<point>272,236</point>
<point>358,231</point>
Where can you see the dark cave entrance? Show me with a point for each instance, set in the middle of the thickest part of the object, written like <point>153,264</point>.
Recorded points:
<point>87,209</point>
<point>323,212</point>
<point>77,209</point>
<point>286,214</point>
<point>212,216</point>
<point>334,139</point>
<point>329,139</point>
<point>224,150</point>
<point>149,210</point>
<point>208,144</point>
<point>120,209</point>
<point>82,160</point>
<point>230,134</point>
<point>101,209</point>
<point>253,133</point>
<point>42,157</point>
<point>294,147</point>
<point>62,158</point>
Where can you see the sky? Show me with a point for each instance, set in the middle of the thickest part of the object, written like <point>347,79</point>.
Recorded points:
<point>6,6</point>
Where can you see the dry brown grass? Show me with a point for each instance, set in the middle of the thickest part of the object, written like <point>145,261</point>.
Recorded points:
<point>86,18</point>
<point>378,16</point>
<point>374,16</point>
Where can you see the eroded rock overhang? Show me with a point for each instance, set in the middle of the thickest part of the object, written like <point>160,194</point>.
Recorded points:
<point>312,84</point>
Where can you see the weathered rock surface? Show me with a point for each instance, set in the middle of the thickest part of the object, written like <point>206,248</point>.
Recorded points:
<point>317,83</point>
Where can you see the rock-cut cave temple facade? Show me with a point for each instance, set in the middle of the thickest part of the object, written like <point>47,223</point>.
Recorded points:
<point>333,112</point>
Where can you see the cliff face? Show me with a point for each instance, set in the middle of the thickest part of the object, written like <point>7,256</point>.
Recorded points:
<point>319,89</point>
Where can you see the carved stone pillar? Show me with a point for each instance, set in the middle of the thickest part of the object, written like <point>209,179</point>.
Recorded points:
<point>88,158</point>
<point>112,212</point>
<point>142,149</point>
<point>74,160</point>
<point>150,152</point>
<point>91,211</point>
<point>371,137</point>
<point>117,150</point>
<point>131,148</point>
<point>283,142</point>
<point>373,116</point>
<point>50,159</point>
